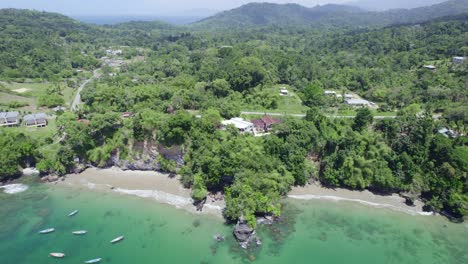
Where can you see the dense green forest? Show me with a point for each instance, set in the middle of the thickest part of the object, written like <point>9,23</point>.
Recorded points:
<point>173,74</point>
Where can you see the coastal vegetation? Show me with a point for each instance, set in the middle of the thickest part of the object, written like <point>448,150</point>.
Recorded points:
<point>171,72</point>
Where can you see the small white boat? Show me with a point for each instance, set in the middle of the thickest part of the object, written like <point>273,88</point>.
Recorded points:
<point>73,213</point>
<point>80,232</point>
<point>46,231</point>
<point>57,255</point>
<point>117,239</point>
<point>93,260</point>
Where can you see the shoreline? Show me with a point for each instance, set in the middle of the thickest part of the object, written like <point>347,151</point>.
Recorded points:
<point>392,202</point>
<point>163,189</point>
<point>152,185</point>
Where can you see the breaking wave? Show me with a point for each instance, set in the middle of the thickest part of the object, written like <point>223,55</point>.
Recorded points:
<point>160,196</point>
<point>337,199</point>
<point>14,188</point>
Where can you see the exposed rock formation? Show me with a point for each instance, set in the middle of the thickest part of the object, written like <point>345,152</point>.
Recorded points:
<point>244,233</point>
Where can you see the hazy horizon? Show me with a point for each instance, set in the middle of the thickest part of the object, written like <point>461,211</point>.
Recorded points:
<point>187,8</point>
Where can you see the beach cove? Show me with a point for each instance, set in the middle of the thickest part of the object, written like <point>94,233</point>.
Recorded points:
<point>312,230</point>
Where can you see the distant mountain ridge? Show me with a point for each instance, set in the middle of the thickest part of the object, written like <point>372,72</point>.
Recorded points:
<point>373,5</point>
<point>268,14</point>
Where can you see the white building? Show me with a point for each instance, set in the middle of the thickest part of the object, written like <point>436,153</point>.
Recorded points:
<point>239,123</point>
<point>9,118</point>
<point>284,92</point>
<point>430,67</point>
<point>357,102</point>
<point>330,93</point>
<point>37,120</point>
<point>458,60</point>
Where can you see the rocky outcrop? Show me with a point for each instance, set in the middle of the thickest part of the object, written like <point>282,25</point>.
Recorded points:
<point>174,153</point>
<point>244,234</point>
<point>143,165</point>
<point>50,178</point>
<point>80,167</point>
<point>265,220</point>
<point>30,171</point>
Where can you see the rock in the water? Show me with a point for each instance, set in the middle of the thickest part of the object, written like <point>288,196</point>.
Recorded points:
<point>266,220</point>
<point>50,178</point>
<point>243,232</point>
<point>218,237</point>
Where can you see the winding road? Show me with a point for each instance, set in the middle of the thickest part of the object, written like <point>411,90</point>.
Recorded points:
<point>77,100</point>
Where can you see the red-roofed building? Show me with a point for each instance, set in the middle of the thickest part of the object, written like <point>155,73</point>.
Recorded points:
<point>84,121</point>
<point>127,114</point>
<point>265,124</point>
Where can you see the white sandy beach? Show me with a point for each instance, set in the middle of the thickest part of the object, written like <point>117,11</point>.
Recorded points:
<point>392,202</point>
<point>146,184</point>
<point>160,187</point>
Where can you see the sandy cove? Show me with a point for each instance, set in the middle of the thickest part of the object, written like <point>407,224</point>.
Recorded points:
<point>393,202</point>
<point>146,184</point>
<point>160,187</point>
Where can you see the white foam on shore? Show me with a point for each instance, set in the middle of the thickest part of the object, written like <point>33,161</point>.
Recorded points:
<point>213,207</point>
<point>377,205</point>
<point>14,188</point>
<point>163,197</point>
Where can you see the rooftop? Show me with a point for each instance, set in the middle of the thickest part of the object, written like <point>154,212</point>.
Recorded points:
<point>357,102</point>
<point>238,123</point>
<point>8,114</point>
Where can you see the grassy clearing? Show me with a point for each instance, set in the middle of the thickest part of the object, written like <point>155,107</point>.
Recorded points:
<point>290,104</point>
<point>28,92</point>
<point>6,98</point>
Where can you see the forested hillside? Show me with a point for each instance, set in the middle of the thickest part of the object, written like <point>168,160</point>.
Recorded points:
<point>168,76</point>
<point>42,45</point>
<point>326,16</point>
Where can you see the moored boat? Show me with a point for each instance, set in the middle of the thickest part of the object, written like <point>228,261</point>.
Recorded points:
<point>93,260</point>
<point>46,231</point>
<point>117,239</point>
<point>73,213</point>
<point>80,232</point>
<point>57,255</point>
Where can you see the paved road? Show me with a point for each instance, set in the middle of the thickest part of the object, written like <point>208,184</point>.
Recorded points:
<point>77,100</point>
<point>303,115</point>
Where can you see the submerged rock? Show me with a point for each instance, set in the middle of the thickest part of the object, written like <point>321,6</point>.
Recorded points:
<point>218,237</point>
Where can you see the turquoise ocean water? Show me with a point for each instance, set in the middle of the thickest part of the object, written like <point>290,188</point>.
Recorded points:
<point>311,232</point>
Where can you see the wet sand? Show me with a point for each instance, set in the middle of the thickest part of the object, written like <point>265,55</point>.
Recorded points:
<point>392,202</point>
<point>160,187</point>
<point>146,184</point>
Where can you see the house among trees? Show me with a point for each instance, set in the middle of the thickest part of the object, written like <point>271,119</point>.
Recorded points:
<point>9,118</point>
<point>127,114</point>
<point>447,132</point>
<point>430,67</point>
<point>328,93</point>
<point>284,91</point>
<point>242,125</point>
<point>458,60</point>
<point>37,120</point>
<point>357,102</point>
<point>265,123</point>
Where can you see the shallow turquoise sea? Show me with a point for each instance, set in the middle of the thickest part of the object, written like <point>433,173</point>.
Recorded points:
<point>311,232</point>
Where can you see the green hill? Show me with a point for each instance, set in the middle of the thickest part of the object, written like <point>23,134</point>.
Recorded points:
<point>267,14</point>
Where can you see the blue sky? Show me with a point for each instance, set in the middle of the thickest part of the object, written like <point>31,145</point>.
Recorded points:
<point>140,7</point>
